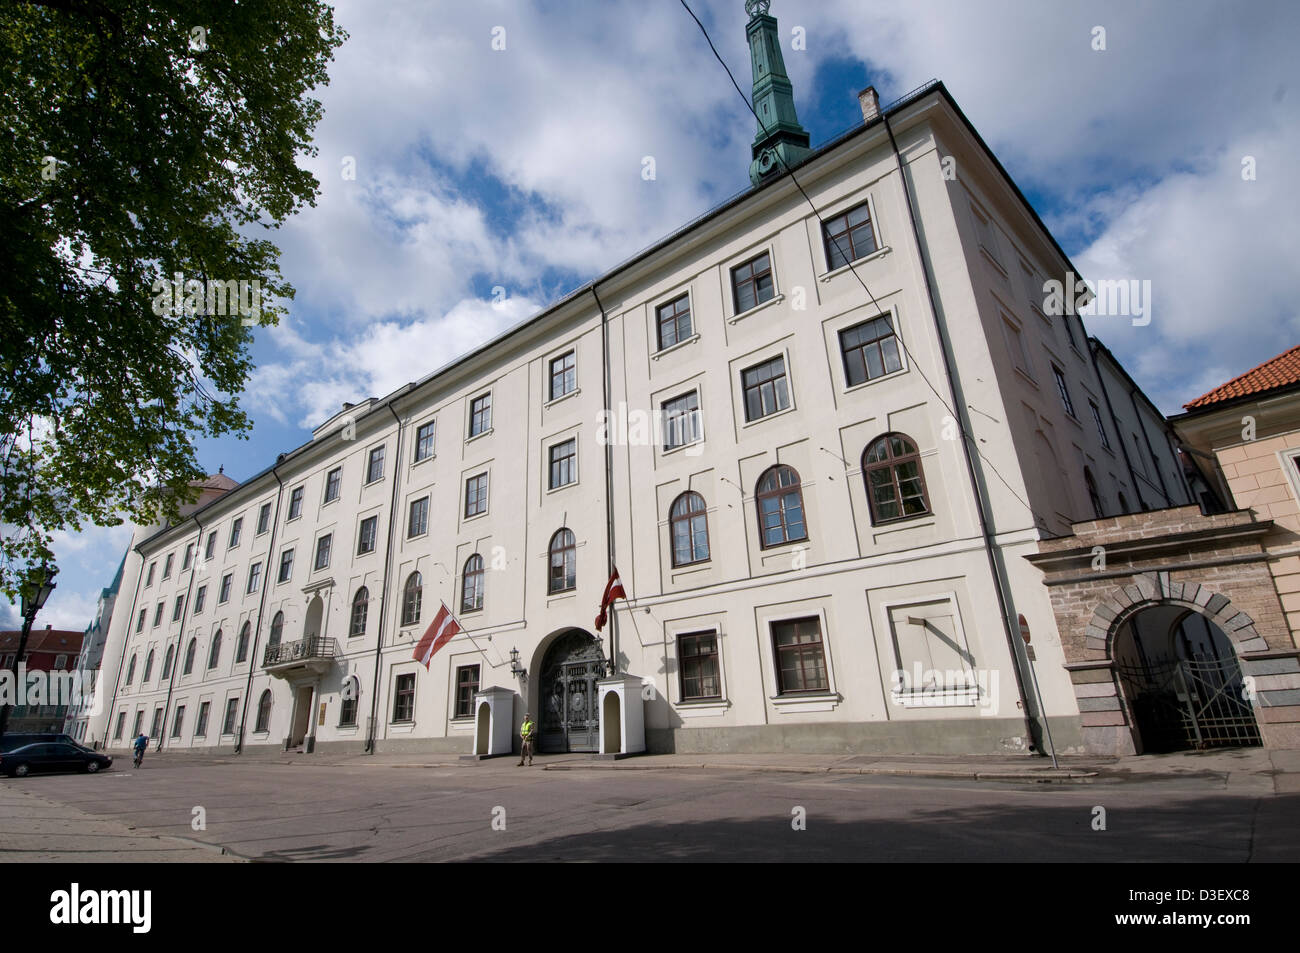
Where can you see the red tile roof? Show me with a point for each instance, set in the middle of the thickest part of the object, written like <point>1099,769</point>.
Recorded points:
<point>59,641</point>
<point>1281,371</point>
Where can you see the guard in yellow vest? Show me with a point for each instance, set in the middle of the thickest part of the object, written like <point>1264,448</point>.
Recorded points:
<point>526,732</point>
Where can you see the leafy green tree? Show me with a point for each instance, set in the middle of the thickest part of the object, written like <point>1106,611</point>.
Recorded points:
<point>144,139</point>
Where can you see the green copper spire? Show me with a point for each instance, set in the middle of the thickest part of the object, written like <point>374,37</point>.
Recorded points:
<point>781,141</point>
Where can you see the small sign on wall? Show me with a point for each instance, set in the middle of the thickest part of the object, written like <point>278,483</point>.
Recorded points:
<point>321,719</point>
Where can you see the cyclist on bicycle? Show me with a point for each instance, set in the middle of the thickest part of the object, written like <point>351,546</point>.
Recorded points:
<point>140,744</point>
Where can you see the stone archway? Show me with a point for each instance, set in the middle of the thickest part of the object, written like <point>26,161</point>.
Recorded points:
<point>568,667</point>
<point>1107,699</point>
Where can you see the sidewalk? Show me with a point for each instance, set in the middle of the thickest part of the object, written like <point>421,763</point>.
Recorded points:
<point>36,829</point>
<point>1268,771</point>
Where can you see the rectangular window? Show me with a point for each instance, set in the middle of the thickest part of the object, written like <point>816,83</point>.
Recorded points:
<point>295,503</point>
<point>286,566</point>
<point>681,420</point>
<point>466,687</point>
<point>155,726</point>
<point>201,727</point>
<point>224,595</point>
<point>1016,345</point>
<point>254,577</point>
<point>167,565</point>
<point>235,529</point>
<point>323,551</point>
<point>476,490</point>
<point>212,545</point>
<point>178,608</point>
<point>929,643</point>
<point>199,598</point>
<point>157,615</point>
<point>751,283</point>
<point>263,519</point>
<point>178,721</point>
<point>232,712</point>
<point>1101,430</point>
<point>366,537</point>
<point>148,581</point>
<point>480,415</point>
<point>870,350</point>
<point>564,375</point>
<point>766,391</point>
<point>697,654</point>
<point>121,723</point>
<point>424,442</point>
<point>673,321</point>
<point>375,465</point>
<point>189,557</point>
<point>1064,390</point>
<point>800,661</point>
<point>404,698</point>
<point>848,237</point>
<point>333,481</point>
<point>418,524</point>
<point>564,463</point>
<point>60,661</point>
<point>139,622</point>
<point>137,724</point>
<point>985,231</point>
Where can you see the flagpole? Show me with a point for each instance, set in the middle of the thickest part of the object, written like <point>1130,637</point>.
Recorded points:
<point>609,476</point>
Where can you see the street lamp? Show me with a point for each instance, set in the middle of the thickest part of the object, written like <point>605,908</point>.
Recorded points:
<point>515,669</point>
<point>36,590</point>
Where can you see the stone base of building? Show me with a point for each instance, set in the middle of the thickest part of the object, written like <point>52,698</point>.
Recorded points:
<point>976,736</point>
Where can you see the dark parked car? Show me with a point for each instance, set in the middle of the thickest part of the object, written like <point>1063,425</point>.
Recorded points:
<point>52,756</point>
<point>11,740</point>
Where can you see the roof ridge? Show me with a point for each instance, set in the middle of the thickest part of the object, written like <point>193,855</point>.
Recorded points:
<point>1237,387</point>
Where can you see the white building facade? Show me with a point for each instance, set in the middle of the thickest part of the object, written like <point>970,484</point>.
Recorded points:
<point>818,498</point>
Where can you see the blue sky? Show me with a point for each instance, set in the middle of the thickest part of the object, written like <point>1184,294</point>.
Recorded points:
<point>520,168</point>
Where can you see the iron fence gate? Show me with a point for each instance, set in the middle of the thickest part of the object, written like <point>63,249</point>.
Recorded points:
<point>1189,703</point>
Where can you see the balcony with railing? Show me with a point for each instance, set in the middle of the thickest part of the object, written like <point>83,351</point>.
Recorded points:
<point>314,654</point>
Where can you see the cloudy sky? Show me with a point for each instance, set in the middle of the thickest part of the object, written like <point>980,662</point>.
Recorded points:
<point>479,168</point>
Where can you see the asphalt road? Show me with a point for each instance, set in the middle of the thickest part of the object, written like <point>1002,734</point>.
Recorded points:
<point>271,811</point>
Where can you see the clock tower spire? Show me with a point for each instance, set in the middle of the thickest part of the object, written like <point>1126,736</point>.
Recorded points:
<point>781,141</point>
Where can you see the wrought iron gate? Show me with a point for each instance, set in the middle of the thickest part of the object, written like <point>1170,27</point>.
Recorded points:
<point>1190,703</point>
<point>570,709</point>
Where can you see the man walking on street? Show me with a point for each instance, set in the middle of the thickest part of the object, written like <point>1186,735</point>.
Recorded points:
<point>526,732</point>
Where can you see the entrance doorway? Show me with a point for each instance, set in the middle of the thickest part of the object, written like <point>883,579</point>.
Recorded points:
<point>567,693</point>
<point>1183,682</point>
<point>301,716</point>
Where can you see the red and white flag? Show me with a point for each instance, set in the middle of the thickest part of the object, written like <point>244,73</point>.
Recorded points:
<point>613,590</point>
<point>439,633</point>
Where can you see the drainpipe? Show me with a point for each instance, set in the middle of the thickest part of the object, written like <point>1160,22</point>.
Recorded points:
<point>609,478</point>
<point>180,638</point>
<point>1119,431</point>
<point>261,606</point>
<point>383,593</point>
<point>1000,584</point>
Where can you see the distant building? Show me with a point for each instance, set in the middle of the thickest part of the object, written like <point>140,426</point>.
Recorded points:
<point>77,722</point>
<point>817,443</point>
<point>48,650</point>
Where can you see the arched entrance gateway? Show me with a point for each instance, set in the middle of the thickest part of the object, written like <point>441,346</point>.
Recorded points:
<point>567,693</point>
<point>1180,675</point>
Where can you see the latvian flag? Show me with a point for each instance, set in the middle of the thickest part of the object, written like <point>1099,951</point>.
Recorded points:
<point>613,590</point>
<point>439,633</point>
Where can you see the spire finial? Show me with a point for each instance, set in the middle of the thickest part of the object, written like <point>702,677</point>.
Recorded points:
<point>757,8</point>
<point>781,141</point>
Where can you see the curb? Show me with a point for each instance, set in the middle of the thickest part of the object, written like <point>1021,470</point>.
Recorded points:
<point>1048,776</point>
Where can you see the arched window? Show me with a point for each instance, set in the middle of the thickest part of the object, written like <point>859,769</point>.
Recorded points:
<point>1093,495</point>
<point>564,562</point>
<point>241,644</point>
<point>348,702</point>
<point>891,468</point>
<point>471,589</point>
<point>689,528</point>
<point>214,654</point>
<point>167,661</point>
<point>412,594</point>
<point>264,712</point>
<point>360,607</point>
<point>780,507</point>
<point>148,668</point>
<point>130,671</point>
<point>277,629</point>
<point>189,656</point>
